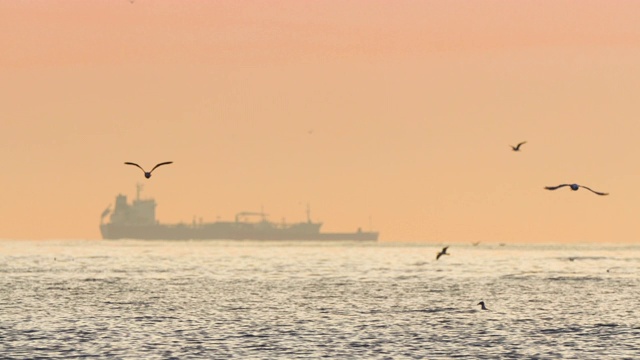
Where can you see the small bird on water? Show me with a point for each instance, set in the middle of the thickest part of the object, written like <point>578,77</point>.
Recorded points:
<point>481,303</point>
<point>575,187</point>
<point>517,147</point>
<point>442,252</point>
<point>147,174</point>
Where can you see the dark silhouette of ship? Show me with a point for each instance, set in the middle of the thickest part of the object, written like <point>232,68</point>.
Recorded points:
<point>137,220</point>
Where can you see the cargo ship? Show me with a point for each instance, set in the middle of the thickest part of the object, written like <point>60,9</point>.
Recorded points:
<point>137,220</point>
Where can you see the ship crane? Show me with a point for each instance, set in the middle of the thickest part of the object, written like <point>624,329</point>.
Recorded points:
<point>251,213</point>
<point>104,214</point>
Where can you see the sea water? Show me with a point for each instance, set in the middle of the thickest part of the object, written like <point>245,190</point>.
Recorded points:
<point>131,299</point>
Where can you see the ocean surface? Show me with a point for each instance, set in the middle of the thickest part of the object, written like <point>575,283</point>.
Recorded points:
<point>127,299</point>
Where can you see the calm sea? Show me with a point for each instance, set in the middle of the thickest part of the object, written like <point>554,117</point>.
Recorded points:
<point>286,300</point>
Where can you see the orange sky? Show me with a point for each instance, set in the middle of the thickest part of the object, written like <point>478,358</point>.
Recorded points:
<point>412,105</point>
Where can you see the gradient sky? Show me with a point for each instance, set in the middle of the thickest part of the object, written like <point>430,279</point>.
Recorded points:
<point>411,104</point>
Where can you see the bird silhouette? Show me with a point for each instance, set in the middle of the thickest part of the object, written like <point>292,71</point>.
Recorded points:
<point>442,252</point>
<point>147,174</point>
<point>517,147</point>
<point>575,187</point>
<point>481,303</point>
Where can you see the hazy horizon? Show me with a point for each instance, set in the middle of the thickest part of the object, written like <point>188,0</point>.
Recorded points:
<point>399,115</point>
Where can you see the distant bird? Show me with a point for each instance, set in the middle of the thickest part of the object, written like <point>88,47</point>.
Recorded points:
<point>575,187</point>
<point>442,252</point>
<point>481,303</point>
<point>148,174</point>
<point>517,147</point>
<point>475,243</point>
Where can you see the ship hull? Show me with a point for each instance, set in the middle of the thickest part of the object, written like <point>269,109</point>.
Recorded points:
<point>187,232</point>
<point>137,220</point>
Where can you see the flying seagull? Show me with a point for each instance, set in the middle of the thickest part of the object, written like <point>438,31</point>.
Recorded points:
<point>575,187</point>
<point>148,174</point>
<point>442,252</point>
<point>481,303</point>
<point>517,147</point>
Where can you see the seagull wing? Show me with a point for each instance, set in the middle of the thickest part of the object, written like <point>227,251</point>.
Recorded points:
<point>442,252</point>
<point>162,163</point>
<point>556,187</point>
<point>593,191</point>
<point>522,143</point>
<point>134,164</point>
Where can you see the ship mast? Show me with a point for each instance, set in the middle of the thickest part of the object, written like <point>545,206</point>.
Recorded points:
<point>139,187</point>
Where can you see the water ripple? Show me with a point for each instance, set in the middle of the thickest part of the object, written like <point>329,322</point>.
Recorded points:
<point>158,300</point>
